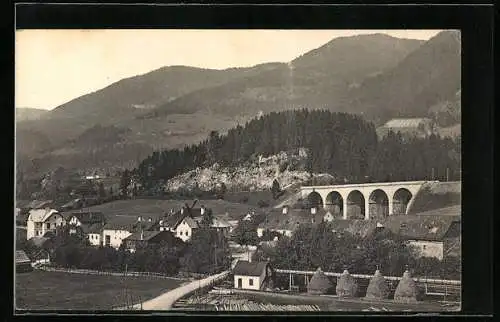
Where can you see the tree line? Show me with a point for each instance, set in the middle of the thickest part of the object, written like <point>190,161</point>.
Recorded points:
<point>207,252</point>
<point>311,247</point>
<point>340,144</point>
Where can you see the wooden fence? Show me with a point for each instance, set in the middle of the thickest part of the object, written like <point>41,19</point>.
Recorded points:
<point>446,289</point>
<point>108,273</point>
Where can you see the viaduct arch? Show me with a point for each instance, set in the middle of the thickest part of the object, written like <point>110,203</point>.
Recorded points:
<point>364,201</point>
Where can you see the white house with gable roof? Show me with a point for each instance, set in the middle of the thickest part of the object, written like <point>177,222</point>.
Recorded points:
<point>41,221</point>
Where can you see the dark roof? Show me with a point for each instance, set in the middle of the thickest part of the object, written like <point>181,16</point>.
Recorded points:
<point>356,227</point>
<point>423,227</point>
<point>192,223</point>
<point>247,268</point>
<point>146,235</point>
<point>171,221</point>
<point>128,223</point>
<point>89,217</point>
<point>92,228</point>
<point>21,257</point>
<point>276,220</point>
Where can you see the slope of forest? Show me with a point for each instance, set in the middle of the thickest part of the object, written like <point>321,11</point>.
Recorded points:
<point>341,145</point>
<point>124,100</point>
<point>175,106</point>
<point>317,79</point>
<point>376,76</point>
<point>429,75</point>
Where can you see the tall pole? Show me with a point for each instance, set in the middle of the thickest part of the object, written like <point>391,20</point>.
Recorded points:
<point>447,174</point>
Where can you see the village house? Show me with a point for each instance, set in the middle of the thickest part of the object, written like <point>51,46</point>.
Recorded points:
<point>252,275</point>
<point>94,233</point>
<point>41,221</point>
<point>118,228</point>
<point>286,220</point>
<point>23,263</point>
<point>184,223</point>
<point>86,218</point>
<point>410,127</point>
<point>114,233</point>
<point>431,235</point>
<point>221,226</point>
<point>90,223</point>
<point>147,238</point>
<point>186,228</point>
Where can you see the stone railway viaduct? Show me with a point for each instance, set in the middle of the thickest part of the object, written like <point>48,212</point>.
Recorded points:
<point>364,201</point>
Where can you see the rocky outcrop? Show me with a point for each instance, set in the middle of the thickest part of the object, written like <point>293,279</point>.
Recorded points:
<point>287,168</point>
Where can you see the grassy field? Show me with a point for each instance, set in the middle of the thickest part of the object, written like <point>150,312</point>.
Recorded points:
<point>40,290</point>
<point>155,208</point>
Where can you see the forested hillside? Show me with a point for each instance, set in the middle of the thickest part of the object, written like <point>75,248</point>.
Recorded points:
<point>343,145</point>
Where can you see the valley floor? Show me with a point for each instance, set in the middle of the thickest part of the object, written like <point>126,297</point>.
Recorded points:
<point>39,290</point>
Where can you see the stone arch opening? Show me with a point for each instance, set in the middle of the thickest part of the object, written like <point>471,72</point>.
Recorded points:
<point>314,200</point>
<point>335,204</point>
<point>355,205</point>
<point>401,200</point>
<point>379,204</point>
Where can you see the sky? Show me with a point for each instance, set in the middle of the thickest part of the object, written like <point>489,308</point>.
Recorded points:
<point>53,67</point>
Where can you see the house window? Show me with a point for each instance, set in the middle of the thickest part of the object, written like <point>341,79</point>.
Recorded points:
<point>187,233</point>
<point>424,247</point>
<point>250,281</point>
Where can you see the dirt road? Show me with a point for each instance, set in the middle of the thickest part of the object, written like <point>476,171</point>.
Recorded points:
<point>167,300</point>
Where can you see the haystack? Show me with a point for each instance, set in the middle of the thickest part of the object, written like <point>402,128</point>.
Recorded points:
<point>346,285</point>
<point>406,292</point>
<point>377,289</point>
<point>319,283</point>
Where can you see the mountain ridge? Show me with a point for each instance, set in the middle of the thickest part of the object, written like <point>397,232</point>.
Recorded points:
<point>188,103</point>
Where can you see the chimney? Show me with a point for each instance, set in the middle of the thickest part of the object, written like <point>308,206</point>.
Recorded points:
<point>285,210</point>
<point>313,211</point>
<point>202,210</point>
<point>182,210</point>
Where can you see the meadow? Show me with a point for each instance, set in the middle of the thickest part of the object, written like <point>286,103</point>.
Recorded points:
<point>39,290</point>
<point>155,208</point>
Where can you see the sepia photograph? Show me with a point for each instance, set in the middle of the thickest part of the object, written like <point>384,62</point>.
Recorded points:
<point>238,170</point>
